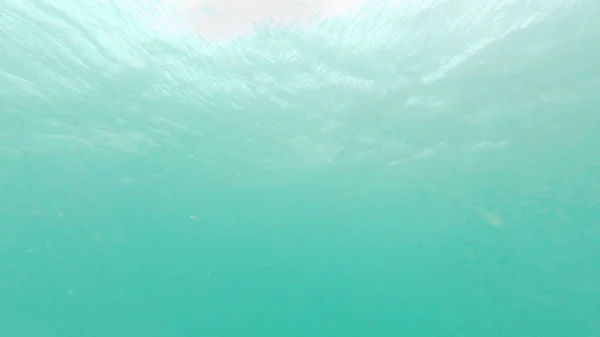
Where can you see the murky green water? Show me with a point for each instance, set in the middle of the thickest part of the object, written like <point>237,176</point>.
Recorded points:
<point>428,168</point>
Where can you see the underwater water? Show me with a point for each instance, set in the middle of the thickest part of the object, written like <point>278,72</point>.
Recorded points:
<point>393,168</point>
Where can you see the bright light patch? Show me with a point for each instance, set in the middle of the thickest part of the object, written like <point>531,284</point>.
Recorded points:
<point>226,18</point>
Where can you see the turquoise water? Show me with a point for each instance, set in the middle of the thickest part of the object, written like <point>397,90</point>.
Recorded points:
<point>417,168</point>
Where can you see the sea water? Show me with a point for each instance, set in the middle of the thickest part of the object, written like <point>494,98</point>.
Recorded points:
<point>220,169</point>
